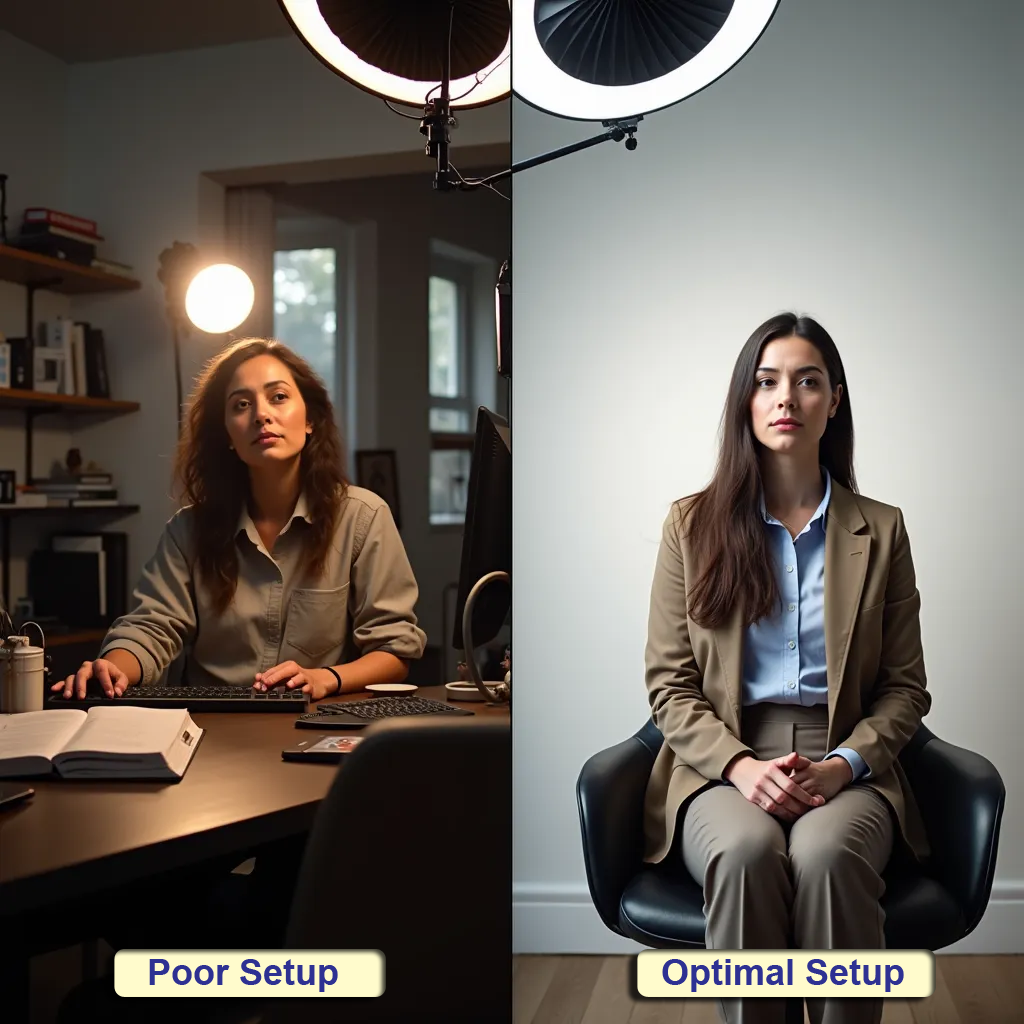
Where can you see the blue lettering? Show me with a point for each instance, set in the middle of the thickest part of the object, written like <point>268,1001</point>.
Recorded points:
<point>272,975</point>
<point>188,975</point>
<point>156,968</point>
<point>890,971</point>
<point>817,975</point>
<point>682,975</point>
<point>749,969</point>
<point>209,974</point>
<point>254,970</point>
<point>324,968</point>
<point>699,975</point>
<point>838,975</point>
<point>312,975</point>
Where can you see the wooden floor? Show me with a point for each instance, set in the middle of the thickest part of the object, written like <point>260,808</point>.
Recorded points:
<point>598,990</point>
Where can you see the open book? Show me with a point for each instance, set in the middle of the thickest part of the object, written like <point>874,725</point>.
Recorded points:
<point>102,743</point>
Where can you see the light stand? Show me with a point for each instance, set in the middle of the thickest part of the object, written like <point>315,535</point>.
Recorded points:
<point>438,119</point>
<point>178,265</point>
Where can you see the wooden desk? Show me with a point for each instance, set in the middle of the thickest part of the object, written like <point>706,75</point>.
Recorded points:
<point>75,838</point>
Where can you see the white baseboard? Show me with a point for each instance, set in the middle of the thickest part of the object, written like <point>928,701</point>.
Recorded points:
<point>551,918</point>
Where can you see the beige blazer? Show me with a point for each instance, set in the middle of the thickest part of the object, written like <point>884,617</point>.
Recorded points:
<point>874,662</point>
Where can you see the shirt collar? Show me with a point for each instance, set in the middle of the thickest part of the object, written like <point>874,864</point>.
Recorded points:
<point>819,512</point>
<point>248,527</point>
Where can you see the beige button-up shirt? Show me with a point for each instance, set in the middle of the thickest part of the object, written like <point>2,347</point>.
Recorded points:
<point>363,602</point>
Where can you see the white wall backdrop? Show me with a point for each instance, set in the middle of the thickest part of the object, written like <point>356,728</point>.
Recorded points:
<point>861,165</point>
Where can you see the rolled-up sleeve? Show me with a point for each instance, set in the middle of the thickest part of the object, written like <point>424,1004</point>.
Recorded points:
<point>383,592</point>
<point>162,620</point>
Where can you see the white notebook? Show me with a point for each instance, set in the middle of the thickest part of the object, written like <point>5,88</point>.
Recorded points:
<point>102,743</point>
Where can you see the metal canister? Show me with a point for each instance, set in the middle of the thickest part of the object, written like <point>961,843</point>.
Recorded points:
<point>22,675</point>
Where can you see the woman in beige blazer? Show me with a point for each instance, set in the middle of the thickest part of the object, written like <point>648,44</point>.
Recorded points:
<point>785,671</point>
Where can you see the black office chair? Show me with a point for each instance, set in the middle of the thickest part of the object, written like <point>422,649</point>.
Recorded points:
<point>960,795</point>
<point>410,853</point>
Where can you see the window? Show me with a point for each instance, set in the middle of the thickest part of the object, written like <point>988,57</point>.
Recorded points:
<point>451,401</point>
<point>305,308</point>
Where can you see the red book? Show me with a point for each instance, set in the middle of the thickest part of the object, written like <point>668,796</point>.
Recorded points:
<point>43,215</point>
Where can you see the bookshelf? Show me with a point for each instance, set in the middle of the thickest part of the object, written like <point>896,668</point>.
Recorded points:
<point>34,272</point>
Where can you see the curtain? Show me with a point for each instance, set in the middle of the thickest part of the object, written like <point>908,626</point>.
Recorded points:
<point>249,243</point>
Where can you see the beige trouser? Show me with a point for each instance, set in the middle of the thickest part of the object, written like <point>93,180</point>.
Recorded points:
<point>812,884</point>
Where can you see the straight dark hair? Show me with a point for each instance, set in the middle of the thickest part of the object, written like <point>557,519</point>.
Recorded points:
<point>215,481</point>
<point>724,521</point>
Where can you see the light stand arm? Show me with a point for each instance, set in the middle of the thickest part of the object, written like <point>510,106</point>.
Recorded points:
<point>617,131</point>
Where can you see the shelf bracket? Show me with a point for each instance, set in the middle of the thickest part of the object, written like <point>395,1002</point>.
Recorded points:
<point>5,554</point>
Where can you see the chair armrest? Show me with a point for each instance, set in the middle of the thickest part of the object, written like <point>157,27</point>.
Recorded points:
<point>610,795</point>
<point>961,797</point>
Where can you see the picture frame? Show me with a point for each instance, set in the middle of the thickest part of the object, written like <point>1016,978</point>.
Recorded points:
<point>377,471</point>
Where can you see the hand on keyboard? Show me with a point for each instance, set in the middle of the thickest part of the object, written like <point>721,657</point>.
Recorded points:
<point>317,682</point>
<point>112,681</point>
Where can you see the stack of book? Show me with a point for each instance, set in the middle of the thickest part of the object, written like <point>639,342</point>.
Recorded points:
<point>65,237</point>
<point>68,358</point>
<point>92,490</point>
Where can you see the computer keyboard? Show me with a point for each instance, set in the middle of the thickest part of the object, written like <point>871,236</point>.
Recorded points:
<point>195,698</point>
<point>354,714</point>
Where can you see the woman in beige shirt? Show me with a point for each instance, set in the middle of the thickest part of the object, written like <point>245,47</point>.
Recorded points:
<point>277,572</point>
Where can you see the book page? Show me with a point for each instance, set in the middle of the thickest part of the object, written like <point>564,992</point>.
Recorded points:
<point>127,730</point>
<point>38,733</point>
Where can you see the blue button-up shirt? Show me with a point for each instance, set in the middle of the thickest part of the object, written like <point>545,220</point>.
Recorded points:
<point>784,655</point>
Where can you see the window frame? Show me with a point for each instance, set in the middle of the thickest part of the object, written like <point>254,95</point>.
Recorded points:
<point>462,275</point>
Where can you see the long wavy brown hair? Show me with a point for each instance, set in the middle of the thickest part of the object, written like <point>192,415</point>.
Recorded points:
<point>215,481</point>
<point>724,521</point>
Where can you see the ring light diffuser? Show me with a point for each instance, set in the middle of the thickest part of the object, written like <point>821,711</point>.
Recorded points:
<point>396,50</point>
<point>605,60</point>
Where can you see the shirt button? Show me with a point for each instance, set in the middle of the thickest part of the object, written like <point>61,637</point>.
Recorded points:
<point>791,685</point>
<point>792,607</point>
<point>792,644</point>
<point>789,568</point>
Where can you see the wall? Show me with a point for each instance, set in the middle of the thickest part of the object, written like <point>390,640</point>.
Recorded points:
<point>406,214</point>
<point>33,153</point>
<point>142,133</point>
<point>861,164</point>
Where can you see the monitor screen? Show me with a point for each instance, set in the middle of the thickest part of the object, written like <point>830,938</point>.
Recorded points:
<point>487,538</point>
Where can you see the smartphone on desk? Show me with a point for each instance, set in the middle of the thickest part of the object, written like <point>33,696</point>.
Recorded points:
<point>326,749</point>
<point>12,793</point>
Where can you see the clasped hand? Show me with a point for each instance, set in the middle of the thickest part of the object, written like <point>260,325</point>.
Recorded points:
<point>789,786</point>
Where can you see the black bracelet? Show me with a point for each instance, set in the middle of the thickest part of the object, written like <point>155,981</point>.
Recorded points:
<point>334,673</point>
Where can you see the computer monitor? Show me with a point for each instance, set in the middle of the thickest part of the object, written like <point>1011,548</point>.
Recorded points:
<point>487,538</point>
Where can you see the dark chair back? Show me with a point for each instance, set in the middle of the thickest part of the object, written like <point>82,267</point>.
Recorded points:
<point>410,853</point>
<point>960,795</point>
